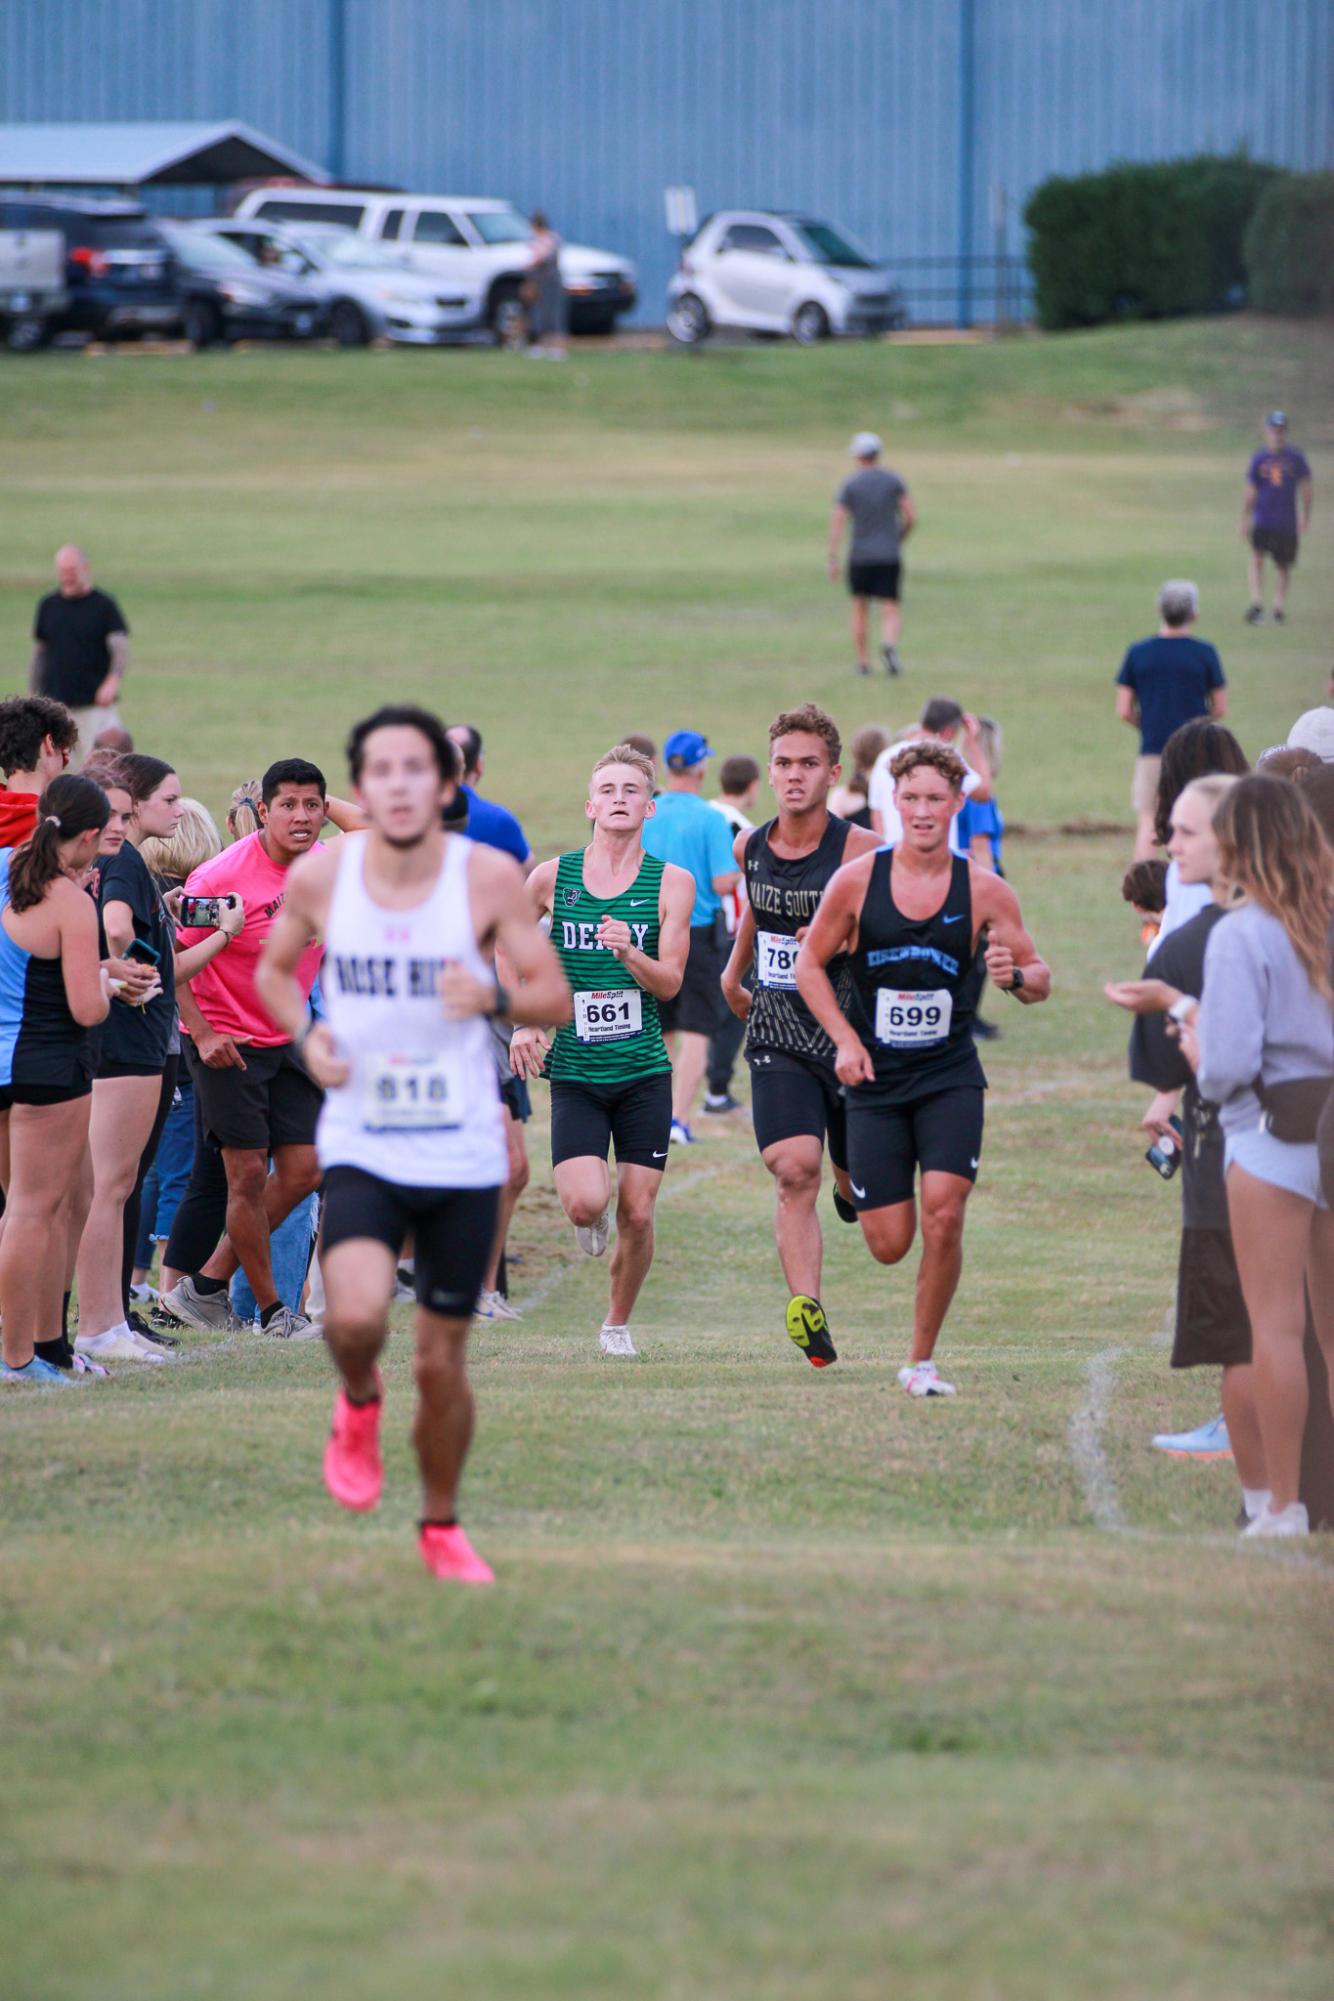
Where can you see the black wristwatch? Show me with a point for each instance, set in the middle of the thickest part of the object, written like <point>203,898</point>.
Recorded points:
<point>1017,981</point>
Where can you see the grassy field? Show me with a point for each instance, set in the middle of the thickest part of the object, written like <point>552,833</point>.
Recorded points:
<point>790,1688</point>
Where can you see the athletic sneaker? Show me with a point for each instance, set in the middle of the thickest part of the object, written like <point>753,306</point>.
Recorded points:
<point>1280,617</point>
<point>43,1374</point>
<point>808,1327</point>
<point>495,1306</point>
<point>721,1103</point>
<point>682,1135</point>
<point>592,1237</point>
<point>285,1326</point>
<point>920,1380</point>
<point>404,1293</point>
<point>843,1209</point>
<point>1254,613</point>
<point>448,1554</point>
<point>863,666</point>
<point>143,1295</point>
<point>117,1344</point>
<point>352,1470</point>
<point>1207,1441</point>
<point>211,1311</point>
<point>890,656</point>
<point>616,1341</point>
<point>1289,1521</point>
<point>157,1335</point>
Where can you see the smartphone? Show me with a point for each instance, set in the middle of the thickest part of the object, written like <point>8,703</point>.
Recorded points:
<point>144,953</point>
<point>203,912</point>
<point>1164,1156</point>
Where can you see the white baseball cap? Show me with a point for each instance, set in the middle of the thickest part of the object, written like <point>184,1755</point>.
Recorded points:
<point>866,445</point>
<point>1314,731</point>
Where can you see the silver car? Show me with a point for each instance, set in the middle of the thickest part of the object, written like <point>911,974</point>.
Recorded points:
<point>366,293</point>
<point>778,273</point>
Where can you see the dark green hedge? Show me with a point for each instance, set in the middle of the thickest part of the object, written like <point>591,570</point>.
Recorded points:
<point>1143,242</point>
<point>1290,245</point>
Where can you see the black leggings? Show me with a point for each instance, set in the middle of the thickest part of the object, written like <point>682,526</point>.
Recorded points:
<point>200,1221</point>
<point>130,1219</point>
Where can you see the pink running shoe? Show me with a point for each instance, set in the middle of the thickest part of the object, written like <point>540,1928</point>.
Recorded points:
<point>447,1553</point>
<point>352,1470</point>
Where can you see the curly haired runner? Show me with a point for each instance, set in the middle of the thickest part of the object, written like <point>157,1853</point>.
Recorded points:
<point>921,928</point>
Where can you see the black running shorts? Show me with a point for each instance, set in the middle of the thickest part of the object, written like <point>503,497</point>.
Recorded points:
<point>273,1102</point>
<point>698,1007</point>
<point>44,1094</point>
<point>887,1144</point>
<point>636,1118</point>
<point>1280,543</point>
<point>875,580</point>
<point>791,1096</point>
<point>453,1231</point>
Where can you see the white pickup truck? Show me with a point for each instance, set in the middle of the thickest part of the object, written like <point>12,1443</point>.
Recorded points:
<point>32,280</point>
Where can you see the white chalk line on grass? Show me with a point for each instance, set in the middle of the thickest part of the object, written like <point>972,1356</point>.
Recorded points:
<point>1086,1446</point>
<point>678,1185</point>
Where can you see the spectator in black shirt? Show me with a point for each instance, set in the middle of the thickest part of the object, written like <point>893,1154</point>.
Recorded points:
<point>81,649</point>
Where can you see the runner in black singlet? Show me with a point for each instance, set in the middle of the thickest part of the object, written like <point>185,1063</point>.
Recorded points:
<point>796,1099</point>
<point>922,928</point>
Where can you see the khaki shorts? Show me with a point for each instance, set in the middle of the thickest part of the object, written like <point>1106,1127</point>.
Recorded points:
<point>1144,786</point>
<point>91,722</point>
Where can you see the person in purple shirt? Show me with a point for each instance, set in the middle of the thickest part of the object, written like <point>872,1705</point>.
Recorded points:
<point>1275,515</point>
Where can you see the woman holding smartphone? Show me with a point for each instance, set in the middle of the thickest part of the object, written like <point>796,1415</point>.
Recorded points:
<point>136,1072</point>
<point>52,991</point>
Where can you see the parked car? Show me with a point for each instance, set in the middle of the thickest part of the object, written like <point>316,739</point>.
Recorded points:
<point>778,273</point>
<point>364,291</point>
<point>115,273</point>
<point>225,296</point>
<point>474,246</point>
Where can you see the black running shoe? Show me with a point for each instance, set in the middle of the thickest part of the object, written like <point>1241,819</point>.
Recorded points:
<point>843,1209</point>
<point>808,1327</point>
<point>890,656</point>
<point>1254,613</point>
<point>1279,616</point>
<point>157,1335</point>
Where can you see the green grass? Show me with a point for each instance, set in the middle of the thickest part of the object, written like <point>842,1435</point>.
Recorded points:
<point>790,1689</point>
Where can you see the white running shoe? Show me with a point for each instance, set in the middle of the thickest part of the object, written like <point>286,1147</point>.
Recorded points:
<point>285,1326</point>
<point>1292,1520</point>
<point>592,1237</point>
<point>495,1306</point>
<point>143,1295</point>
<point>920,1380</point>
<point>118,1344</point>
<point>616,1341</point>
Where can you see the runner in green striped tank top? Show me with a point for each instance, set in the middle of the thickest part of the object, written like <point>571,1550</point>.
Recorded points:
<point>620,923</point>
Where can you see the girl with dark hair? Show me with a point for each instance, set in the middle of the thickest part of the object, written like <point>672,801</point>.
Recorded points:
<point>1193,751</point>
<point>52,991</point>
<point>137,1062</point>
<point>1263,1046</point>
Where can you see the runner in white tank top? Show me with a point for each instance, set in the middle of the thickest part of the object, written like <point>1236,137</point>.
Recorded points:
<point>410,1138</point>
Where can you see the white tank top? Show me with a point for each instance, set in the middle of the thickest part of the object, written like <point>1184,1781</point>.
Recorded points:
<point>422,1105</point>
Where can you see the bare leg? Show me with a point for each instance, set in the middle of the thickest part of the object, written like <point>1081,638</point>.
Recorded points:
<point>944,1199</point>
<point>584,1187</point>
<point>257,1202</point>
<point>795,1165</point>
<point>124,1109</point>
<point>1243,1426</point>
<point>860,607</point>
<point>358,1285</point>
<point>1282,577</point>
<point>442,1430</point>
<point>509,1195</point>
<point>636,1195</point>
<point>1146,837</point>
<point>1255,573</point>
<point>889,1232</point>
<point>1271,1233</point>
<point>45,1144</point>
<point>76,1214</point>
<point>891,621</point>
<point>689,1063</point>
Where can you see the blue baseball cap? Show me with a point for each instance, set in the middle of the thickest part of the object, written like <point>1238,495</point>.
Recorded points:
<point>684,749</point>
<point>1277,419</point>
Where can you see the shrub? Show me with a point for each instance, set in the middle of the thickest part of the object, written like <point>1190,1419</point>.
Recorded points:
<point>1289,246</point>
<point>1143,241</point>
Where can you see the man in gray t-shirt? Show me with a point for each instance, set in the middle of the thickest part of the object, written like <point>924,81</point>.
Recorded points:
<point>882,514</point>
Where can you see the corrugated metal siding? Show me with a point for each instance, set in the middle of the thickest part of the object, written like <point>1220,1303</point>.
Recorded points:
<point>591,107</point>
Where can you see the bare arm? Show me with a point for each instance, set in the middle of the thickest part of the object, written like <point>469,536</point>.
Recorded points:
<point>1218,703</point>
<point>1305,494</point>
<point>192,959</point>
<point>739,963</point>
<point>834,929</point>
<point>1248,510</point>
<point>213,1048</point>
<point>85,986</point>
<point>543,994</point>
<point>838,521</point>
<point>341,813</point>
<point>118,924</point>
<point>1127,708</point>
<point>976,754</point>
<point>528,1046</point>
<point>907,516</point>
<point>979,852</point>
<point>1009,947</point>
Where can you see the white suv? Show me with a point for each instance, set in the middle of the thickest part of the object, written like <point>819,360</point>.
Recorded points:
<point>780,274</point>
<point>472,247</point>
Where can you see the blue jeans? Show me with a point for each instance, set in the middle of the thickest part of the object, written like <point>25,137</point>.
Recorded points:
<point>165,1183</point>
<point>289,1248</point>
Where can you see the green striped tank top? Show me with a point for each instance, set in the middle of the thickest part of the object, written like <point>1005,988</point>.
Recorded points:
<point>615,1035</point>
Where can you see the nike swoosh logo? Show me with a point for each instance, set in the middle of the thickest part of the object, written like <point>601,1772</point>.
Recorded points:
<point>973,1164</point>
<point>860,1193</point>
<point>635,902</point>
<point>956,919</point>
<point>663,1156</point>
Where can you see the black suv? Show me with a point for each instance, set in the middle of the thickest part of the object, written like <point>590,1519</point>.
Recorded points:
<point>120,275</point>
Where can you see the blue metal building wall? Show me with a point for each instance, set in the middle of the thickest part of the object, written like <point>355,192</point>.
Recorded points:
<point>591,107</point>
